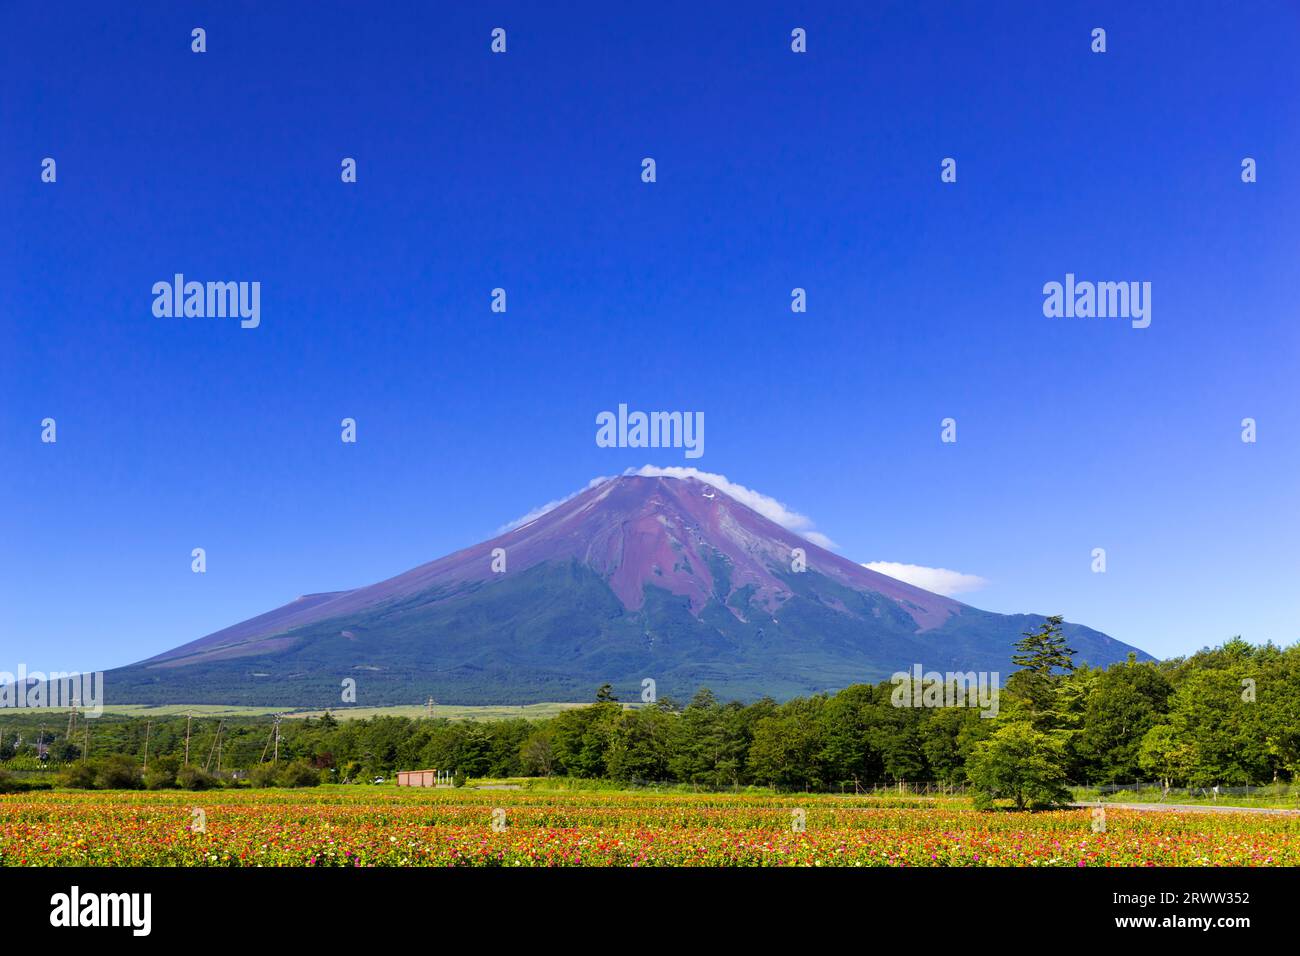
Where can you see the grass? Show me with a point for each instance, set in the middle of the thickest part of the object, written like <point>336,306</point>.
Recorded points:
<point>1278,796</point>
<point>449,711</point>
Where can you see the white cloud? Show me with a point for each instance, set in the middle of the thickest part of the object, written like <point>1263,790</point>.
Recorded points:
<point>938,580</point>
<point>768,507</point>
<point>549,506</point>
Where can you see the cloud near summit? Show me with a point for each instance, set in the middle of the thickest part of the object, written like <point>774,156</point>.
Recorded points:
<point>936,580</point>
<point>768,507</point>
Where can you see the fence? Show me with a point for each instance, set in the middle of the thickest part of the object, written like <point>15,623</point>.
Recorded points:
<point>909,788</point>
<point>1212,792</point>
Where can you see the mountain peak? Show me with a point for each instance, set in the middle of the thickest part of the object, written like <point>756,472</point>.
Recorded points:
<point>618,580</point>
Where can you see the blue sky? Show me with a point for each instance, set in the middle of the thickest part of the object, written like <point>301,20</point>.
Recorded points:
<point>522,171</point>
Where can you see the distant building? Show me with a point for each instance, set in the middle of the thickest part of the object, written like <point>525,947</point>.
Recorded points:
<point>417,778</point>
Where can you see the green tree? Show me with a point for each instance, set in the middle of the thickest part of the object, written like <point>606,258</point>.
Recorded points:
<point>117,772</point>
<point>638,748</point>
<point>1279,699</point>
<point>194,778</point>
<point>537,753</point>
<point>1122,704</point>
<point>1020,764</point>
<point>709,741</point>
<point>849,744</point>
<point>1223,732</point>
<point>1161,755</point>
<point>1043,657</point>
<point>786,746</point>
<point>947,738</point>
<point>299,773</point>
<point>265,775</point>
<point>161,774</point>
<point>79,776</point>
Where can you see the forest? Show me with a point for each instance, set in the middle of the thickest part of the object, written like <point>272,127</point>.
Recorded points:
<point>1227,715</point>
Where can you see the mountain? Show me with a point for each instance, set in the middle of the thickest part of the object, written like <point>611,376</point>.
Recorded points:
<point>637,577</point>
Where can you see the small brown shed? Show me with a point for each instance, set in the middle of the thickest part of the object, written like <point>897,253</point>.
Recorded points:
<point>417,778</point>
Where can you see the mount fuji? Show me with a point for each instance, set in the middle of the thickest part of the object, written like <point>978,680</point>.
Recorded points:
<point>667,578</point>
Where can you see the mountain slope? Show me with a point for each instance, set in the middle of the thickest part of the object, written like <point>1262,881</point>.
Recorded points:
<point>638,577</point>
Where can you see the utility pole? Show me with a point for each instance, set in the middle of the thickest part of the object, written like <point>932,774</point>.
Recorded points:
<point>147,725</point>
<point>188,718</point>
<point>215,744</point>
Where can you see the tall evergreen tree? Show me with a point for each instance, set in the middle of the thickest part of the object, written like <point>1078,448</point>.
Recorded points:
<point>1044,657</point>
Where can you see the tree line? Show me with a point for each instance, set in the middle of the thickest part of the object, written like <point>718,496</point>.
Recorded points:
<point>1228,715</point>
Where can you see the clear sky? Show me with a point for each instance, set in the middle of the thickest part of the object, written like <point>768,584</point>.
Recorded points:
<point>775,170</point>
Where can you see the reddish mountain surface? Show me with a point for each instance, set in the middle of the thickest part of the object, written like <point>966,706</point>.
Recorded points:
<point>635,576</point>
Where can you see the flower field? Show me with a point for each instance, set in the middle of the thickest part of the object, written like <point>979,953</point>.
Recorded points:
<point>346,826</point>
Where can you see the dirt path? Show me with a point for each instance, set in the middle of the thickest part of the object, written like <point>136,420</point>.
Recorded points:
<point>1193,807</point>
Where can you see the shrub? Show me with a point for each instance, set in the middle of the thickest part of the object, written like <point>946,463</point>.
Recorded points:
<point>79,776</point>
<point>11,784</point>
<point>161,774</point>
<point>299,773</point>
<point>117,772</point>
<point>195,778</point>
<point>264,775</point>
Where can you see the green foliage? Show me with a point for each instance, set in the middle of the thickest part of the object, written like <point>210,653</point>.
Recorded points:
<point>79,776</point>
<point>639,742</point>
<point>1222,736</point>
<point>161,773</point>
<point>265,775</point>
<point>710,741</point>
<point>1120,706</point>
<point>1164,756</point>
<point>537,753</point>
<point>117,772</point>
<point>1228,715</point>
<point>1044,659</point>
<point>9,783</point>
<point>787,746</point>
<point>195,778</point>
<point>298,773</point>
<point>948,738</point>
<point>1020,764</point>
